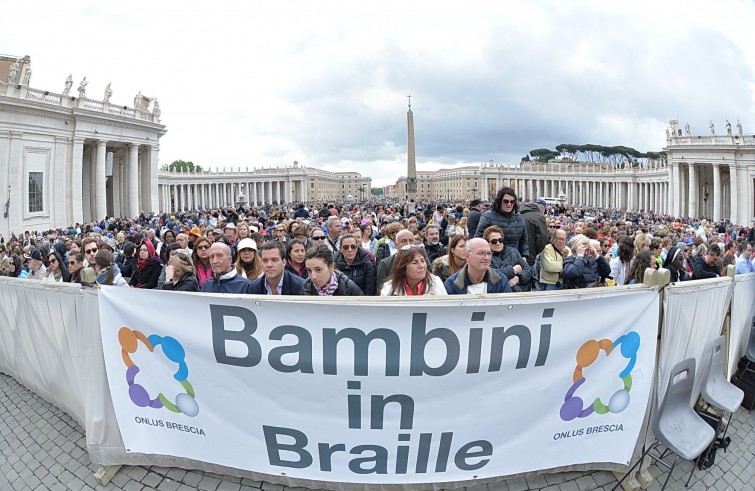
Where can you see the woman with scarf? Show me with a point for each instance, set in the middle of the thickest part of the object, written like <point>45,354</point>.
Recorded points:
<point>200,257</point>
<point>323,279</point>
<point>148,267</point>
<point>57,270</point>
<point>106,270</point>
<point>296,253</point>
<point>410,275</point>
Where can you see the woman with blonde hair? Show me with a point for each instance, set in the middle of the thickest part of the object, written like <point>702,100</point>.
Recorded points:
<point>180,274</point>
<point>242,230</point>
<point>248,264</point>
<point>445,266</point>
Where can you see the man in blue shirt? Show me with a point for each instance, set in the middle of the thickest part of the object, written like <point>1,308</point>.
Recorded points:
<point>745,264</point>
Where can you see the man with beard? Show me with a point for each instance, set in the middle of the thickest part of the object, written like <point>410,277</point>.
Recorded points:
<point>433,247</point>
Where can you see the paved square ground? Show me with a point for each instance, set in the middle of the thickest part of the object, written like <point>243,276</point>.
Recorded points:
<point>42,448</point>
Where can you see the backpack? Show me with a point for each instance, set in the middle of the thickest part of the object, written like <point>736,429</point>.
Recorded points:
<point>535,283</point>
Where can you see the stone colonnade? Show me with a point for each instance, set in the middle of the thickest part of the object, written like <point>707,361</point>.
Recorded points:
<point>190,196</point>
<point>128,189</point>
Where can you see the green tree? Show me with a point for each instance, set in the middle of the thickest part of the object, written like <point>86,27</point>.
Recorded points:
<point>182,166</point>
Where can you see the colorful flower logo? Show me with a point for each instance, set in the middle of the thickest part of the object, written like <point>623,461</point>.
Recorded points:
<point>185,402</point>
<point>573,406</point>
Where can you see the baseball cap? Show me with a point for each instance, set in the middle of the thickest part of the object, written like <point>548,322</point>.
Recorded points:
<point>246,244</point>
<point>230,225</point>
<point>34,254</point>
<point>541,202</point>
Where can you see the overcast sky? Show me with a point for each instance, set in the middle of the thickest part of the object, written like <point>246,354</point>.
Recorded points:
<point>325,83</point>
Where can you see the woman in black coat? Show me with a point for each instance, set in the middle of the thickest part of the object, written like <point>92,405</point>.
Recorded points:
<point>355,262</point>
<point>324,279</point>
<point>505,213</point>
<point>179,273</point>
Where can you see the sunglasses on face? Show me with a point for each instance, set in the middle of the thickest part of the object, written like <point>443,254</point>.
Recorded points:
<point>508,201</point>
<point>91,251</point>
<point>322,237</point>
<point>53,260</point>
<point>203,247</point>
<point>496,241</point>
<point>72,263</point>
<point>349,247</point>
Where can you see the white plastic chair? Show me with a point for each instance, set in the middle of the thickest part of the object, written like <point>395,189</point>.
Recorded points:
<point>719,393</point>
<point>750,354</point>
<point>676,425</point>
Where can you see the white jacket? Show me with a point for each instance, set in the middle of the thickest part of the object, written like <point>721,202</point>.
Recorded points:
<point>437,288</point>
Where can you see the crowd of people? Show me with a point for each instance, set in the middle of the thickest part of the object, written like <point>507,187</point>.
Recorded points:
<point>424,248</point>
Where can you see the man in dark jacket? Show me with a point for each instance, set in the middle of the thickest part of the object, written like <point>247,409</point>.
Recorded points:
<point>224,278</point>
<point>355,263</point>
<point>433,247</point>
<point>275,280</point>
<point>585,268</point>
<point>475,212</point>
<point>707,266</point>
<point>537,228</point>
<point>301,212</point>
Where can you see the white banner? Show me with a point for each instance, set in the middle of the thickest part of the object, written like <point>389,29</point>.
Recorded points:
<point>367,391</point>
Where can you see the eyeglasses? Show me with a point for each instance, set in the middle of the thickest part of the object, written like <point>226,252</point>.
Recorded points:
<point>508,201</point>
<point>53,260</point>
<point>349,247</point>
<point>483,253</point>
<point>322,237</point>
<point>91,251</point>
<point>181,255</point>
<point>203,247</point>
<point>496,241</point>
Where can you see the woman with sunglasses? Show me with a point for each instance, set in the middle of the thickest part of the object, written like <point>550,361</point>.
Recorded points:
<point>410,275</point>
<point>505,213</point>
<point>57,270</point>
<point>180,272</point>
<point>148,267</point>
<point>355,262</point>
<point>507,261</point>
<point>200,257</point>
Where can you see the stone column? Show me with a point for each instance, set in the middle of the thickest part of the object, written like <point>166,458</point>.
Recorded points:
<point>693,211</point>
<point>116,180</point>
<point>133,180</point>
<point>100,207</point>
<point>733,183</point>
<point>76,203</point>
<point>716,191</point>
<point>676,198</point>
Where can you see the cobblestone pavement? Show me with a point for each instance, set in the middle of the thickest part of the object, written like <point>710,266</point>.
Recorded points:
<point>42,448</point>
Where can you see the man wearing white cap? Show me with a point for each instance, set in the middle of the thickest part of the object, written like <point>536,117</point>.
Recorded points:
<point>230,231</point>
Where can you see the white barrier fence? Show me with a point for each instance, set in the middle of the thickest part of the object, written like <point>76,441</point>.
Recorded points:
<point>504,422</point>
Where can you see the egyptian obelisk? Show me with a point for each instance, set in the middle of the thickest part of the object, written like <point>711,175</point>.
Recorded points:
<point>411,164</point>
